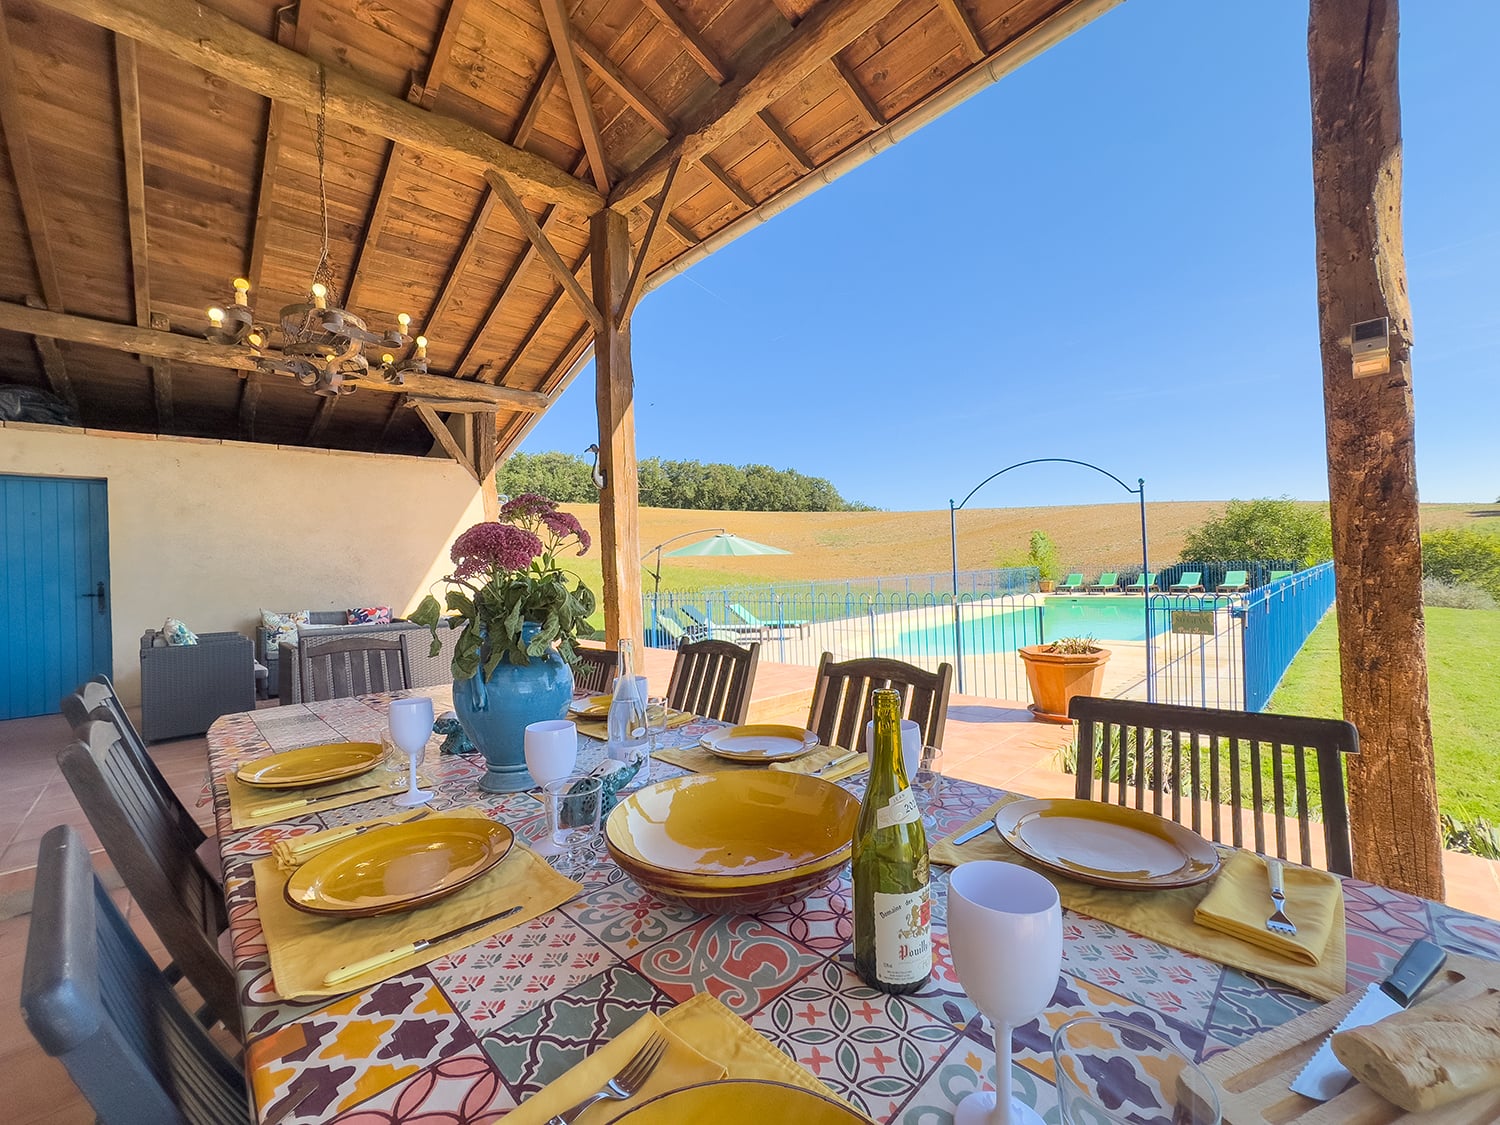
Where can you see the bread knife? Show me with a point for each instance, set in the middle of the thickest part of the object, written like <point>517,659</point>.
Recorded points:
<point>1324,1077</point>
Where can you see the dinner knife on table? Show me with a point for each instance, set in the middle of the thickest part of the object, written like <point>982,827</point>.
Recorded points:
<point>304,802</point>
<point>973,833</point>
<point>1324,1077</point>
<point>360,968</point>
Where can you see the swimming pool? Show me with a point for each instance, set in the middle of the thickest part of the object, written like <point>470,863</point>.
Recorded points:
<point>1000,629</point>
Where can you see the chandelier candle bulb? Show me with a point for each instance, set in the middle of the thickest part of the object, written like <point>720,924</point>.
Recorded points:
<point>241,291</point>
<point>320,295</point>
<point>216,317</point>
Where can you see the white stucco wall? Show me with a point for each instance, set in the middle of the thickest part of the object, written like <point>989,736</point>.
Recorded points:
<point>212,532</point>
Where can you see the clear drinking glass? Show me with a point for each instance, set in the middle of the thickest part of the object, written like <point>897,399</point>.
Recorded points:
<point>927,782</point>
<point>572,806</point>
<point>1110,1072</point>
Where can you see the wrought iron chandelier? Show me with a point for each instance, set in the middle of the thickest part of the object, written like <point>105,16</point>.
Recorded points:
<point>322,344</point>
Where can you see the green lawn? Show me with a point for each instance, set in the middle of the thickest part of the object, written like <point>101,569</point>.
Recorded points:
<point>1463,655</point>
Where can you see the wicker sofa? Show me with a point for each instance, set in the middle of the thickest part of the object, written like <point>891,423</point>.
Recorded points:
<point>184,688</point>
<point>422,670</point>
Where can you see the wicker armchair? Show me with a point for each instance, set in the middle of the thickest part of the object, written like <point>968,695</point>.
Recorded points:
<point>184,688</point>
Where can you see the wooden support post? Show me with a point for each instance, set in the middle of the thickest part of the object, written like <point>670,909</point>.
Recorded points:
<point>1372,483</point>
<point>619,521</point>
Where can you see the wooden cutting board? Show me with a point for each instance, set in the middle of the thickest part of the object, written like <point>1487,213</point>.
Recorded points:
<point>1253,1078</point>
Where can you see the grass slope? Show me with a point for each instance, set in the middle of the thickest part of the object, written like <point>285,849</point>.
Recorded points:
<point>1463,651</point>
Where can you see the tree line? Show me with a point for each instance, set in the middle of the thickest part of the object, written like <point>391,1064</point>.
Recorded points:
<point>568,479</point>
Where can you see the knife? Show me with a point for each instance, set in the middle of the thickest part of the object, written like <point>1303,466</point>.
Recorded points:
<point>1324,1076</point>
<point>360,968</point>
<point>973,833</point>
<point>303,802</point>
<point>841,760</point>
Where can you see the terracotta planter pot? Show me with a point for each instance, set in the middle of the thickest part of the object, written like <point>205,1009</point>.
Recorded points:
<point>1047,585</point>
<point>1056,677</point>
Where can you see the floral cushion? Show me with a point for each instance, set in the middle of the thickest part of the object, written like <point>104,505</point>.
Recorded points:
<point>373,615</point>
<point>282,627</point>
<point>174,632</point>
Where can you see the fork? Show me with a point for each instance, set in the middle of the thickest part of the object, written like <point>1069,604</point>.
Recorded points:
<point>626,1084</point>
<point>1278,922</point>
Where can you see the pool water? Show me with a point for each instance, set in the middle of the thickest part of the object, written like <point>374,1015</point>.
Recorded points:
<point>1105,618</point>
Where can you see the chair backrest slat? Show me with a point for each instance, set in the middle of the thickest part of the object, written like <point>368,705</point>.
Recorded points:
<point>714,679</point>
<point>179,896</point>
<point>596,670</point>
<point>1258,766</point>
<point>341,667</point>
<point>841,703</point>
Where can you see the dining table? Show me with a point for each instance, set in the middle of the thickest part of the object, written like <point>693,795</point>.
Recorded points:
<point>475,1032</point>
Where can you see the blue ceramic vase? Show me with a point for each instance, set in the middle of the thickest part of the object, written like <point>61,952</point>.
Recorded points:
<point>495,711</point>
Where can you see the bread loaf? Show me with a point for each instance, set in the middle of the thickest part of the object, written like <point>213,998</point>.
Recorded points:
<point>1428,1055</point>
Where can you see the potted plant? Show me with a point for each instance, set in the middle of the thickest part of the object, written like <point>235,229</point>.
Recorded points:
<point>1043,555</point>
<point>1058,671</point>
<point>520,614</point>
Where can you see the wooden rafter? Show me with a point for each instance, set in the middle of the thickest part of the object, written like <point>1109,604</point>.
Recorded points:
<point>534,100</point>
<point>498,374</point>
<point>161,377</point>
<point>294,36</point>
<point>442,53</point>
<point>648,243</point>
<point>545,248</point>
<point>964,26</point>
<point>398,404</point>
<point>466,256</point>
<point>630,93</point>
<point>53,365</point>
<point>718,172</point>
<point>23,171</point>
<point>528,256</point>
<point>196,34</point>
<point>484,446</point>
<point>191,349</point>
<point>563,46</point>
<point>693,43</point>
<point>250,387</point>
<point>785,142</point>
<point>828,29</point>
<point>444,436</point>
<point>321,417</point>
<point>682,231</point>
<point>864,105</point>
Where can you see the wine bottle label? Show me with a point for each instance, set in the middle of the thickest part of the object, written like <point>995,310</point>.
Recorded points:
<point>900,809</point>
<point>903,937</point>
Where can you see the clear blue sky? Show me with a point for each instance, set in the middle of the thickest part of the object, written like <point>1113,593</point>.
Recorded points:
<point>1107,255</point>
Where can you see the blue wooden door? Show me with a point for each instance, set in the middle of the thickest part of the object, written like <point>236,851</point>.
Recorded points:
<point>54,590</point>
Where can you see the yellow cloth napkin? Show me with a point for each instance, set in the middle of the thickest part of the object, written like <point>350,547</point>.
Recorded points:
<point>294,851</point>
<point>1240,902</point>
<point>250,807</point>
<point>700,760</point>
<point>599,728</point>
<point>1169,916</point>
<point>726,1047</point>
<point>820,757</point>
<point>304,948</point>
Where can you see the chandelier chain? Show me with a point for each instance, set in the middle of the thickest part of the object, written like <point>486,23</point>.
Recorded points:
<point>324,272</point>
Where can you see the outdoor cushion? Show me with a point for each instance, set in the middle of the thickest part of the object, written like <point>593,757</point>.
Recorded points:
<point>174,632</point>
<point>282,627</point>
<point>371,615</point>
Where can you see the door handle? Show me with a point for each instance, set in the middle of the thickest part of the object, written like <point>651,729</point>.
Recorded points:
<point>103,599</point>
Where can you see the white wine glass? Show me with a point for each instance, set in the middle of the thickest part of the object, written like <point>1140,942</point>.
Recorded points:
<point>1005,932</point>
<point>411,727</point>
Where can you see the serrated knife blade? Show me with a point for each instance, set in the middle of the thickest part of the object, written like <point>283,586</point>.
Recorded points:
<point>1324,1077</point>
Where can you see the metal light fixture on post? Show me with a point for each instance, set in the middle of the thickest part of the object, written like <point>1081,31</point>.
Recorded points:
<point>953,509</point>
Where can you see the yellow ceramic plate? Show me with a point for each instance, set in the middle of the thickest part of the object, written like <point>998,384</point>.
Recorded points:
<point>1107,845</point>
<point>733,828</point>
<point>398,868</point>
<point>742,1102</point>
<point>760,742</point>
<point>591,706</point>
<point>311,765</point>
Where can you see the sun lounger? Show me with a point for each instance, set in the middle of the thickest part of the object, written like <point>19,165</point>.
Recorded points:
<point>1235,582</point>
<point>1142,583</point>
<point>703,626</point>
<point>669,625</point>
<point>1073,584</point>
<point>1189,582</point>
<point>1108,581</point>
<point>756,623</point>
<point>1278,575</point>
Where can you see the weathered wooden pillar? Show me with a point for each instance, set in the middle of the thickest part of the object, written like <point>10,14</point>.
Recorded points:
<point>614,381</point>
<point>1372,483</point>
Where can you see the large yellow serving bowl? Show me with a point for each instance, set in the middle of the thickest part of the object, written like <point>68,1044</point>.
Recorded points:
<point>742,1102</point>
<point>737,842</point>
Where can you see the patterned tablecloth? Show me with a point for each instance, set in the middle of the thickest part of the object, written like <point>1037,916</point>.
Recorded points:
<point>468,1036</point>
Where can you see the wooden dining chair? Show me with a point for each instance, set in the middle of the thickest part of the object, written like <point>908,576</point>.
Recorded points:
<point>93,998</point>
<point>595,671</point>
<point>1204,768</point>
<point>841,703</point>
<point>714,679</point>
<point>177,893</point>
<point>340,667</point>
<point>97,701</point>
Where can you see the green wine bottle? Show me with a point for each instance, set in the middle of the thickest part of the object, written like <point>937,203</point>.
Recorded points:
<point>892,916</point>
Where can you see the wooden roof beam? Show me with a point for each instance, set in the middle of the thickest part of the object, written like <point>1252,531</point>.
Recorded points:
<point>864,105</point>
<point>533,108</point>
<point>444,435</point>
<point>697,48</point>
<point>827,30</point>
<point>442,54</point>
<point>648,243</point>
<point>545,248</point>
<point>631,94</point>
<point>249,402</point>
<point>785,142</point>
<point>968,35</point>
<point>197,35</point>
<point>191,349</point>
<point>564,47</point>
<point>718,172</point>
<point>23,171</point>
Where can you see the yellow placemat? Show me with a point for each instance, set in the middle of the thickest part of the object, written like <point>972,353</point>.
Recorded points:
<point>304,948</point>
<point>699,760</point>
<point>1167,916</point>
<point>250,807</point>
<point>599,728</point>
<point>1239,903</point>
<point>727,1046</point>
<point>292,852</point>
